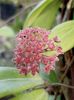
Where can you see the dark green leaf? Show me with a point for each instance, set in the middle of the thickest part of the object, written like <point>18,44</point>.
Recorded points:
<point>53,78</point>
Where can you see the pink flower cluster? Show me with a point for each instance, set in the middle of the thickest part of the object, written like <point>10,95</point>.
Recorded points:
<point>29,52</point>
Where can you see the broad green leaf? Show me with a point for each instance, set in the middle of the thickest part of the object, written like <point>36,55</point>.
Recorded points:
<point>11,82</point>
<point>44,14</point>
<point>6,31</point>
<point>35,95</point>
<point>36,11</point>
<point>65,32</point>
<point>16,85</point>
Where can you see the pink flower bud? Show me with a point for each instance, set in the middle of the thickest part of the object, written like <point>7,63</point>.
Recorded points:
<point>56,39</point>
<point>30,48</point>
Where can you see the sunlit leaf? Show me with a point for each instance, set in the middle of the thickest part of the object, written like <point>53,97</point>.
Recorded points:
<point>44,14</point>
<point>65,32</point>
<point>35,95</point>
<point>11,82</point>
<point>9,72</point>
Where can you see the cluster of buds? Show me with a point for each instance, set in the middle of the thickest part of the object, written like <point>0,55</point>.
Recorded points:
<point>30,48</point>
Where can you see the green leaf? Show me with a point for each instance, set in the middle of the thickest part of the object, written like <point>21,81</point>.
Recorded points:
<point>6,31</point>
<point>35,95</point>
<point>51,97</point>
<point>52,77</point>
<point>11,82</point>
<point>44,14</point>
<point>9,72</point>
<point>65,32</point>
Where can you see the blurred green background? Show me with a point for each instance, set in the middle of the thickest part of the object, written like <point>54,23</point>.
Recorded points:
<point>12,18</point>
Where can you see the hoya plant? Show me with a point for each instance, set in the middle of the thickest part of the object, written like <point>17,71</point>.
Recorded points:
<point>36,52</point>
